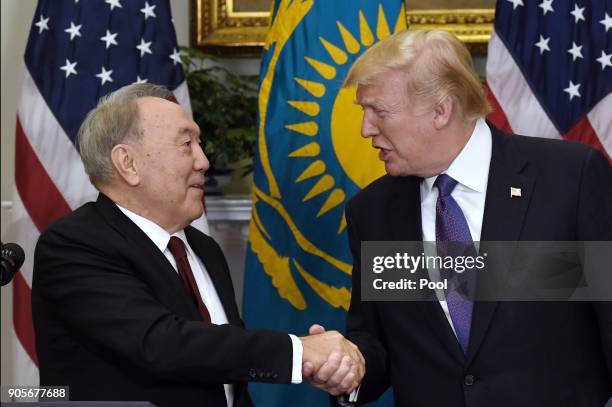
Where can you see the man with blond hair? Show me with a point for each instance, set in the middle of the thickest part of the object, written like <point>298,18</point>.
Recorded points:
<point>453,177</point>
<point>130,302</point>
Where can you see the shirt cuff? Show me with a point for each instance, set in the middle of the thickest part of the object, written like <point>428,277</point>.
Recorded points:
<point>296,370</point>
<point>354,394</point>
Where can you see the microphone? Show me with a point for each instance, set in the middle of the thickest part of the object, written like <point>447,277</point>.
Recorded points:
<point>12,259</point>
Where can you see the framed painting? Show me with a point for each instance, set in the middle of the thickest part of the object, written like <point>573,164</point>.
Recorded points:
<point>238,27</point>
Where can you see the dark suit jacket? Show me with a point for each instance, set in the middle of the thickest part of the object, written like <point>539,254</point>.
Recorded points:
<point>520,353</point>
<point>113,320</point>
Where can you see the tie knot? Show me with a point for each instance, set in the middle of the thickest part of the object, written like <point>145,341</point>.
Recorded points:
<point>445,184</point>
<point>177,248</point>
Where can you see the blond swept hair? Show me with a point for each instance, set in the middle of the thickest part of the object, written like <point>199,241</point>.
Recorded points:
<point>437,65</point>
<point>113,121</point>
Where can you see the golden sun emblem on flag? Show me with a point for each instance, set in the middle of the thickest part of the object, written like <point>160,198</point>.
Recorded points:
<point>357,159</point>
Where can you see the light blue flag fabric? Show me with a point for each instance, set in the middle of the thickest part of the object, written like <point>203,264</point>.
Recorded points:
<point>310,160</point>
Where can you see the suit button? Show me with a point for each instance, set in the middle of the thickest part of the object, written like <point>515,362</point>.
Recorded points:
<point>469,380</point>
<point>252,373</point>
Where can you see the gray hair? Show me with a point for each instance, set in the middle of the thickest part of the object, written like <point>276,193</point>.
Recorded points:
<point>113,121</point>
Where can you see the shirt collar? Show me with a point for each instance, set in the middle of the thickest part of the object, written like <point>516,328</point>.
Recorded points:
<point>156,233</point>
<point>471,167</point>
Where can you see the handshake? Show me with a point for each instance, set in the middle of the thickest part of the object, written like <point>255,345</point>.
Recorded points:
<point>331,362</point>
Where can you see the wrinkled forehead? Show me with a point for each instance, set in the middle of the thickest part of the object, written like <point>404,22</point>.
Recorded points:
<point>156,112</point>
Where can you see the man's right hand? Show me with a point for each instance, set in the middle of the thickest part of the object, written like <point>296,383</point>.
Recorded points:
<point>331,362</point>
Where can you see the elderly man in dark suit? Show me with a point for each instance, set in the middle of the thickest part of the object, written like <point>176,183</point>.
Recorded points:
<point>452,177</point>
<point>132,303</point>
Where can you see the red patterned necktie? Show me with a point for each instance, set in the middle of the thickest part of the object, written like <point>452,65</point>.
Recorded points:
<point>177,248</point>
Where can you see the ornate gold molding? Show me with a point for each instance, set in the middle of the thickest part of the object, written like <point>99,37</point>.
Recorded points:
<point>217,28</point>
<point>472,26</point>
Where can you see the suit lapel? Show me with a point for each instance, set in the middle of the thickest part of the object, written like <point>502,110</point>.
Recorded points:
<point>504,214</point>
<point>406,225</point>
<point>404,216</point>
<point>218,272</point>
<point>502,221</point>
<point>154,266</point>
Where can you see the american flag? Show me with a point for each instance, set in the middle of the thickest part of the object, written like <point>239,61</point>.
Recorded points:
<point>549,69</point>
<point>77,51</point>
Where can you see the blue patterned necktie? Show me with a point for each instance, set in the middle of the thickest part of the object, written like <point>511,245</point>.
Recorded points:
<point>453,239</point>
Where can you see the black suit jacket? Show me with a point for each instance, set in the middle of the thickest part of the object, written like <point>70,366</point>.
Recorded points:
<point>520,353</point>
<point>114,322</point>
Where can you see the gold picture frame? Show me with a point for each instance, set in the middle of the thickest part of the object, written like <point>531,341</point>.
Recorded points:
<point>229,28</point>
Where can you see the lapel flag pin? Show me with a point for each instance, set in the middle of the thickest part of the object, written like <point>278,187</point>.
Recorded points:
<point>515,192</point>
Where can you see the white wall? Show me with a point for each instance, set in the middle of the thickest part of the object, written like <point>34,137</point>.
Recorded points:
<point>15,26</point>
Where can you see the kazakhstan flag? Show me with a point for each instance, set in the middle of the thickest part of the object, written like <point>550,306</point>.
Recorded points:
<point>310,160</point>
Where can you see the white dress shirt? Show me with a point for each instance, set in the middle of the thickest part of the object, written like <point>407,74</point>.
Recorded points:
<point>471,171</point>
<point>207,290</point>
